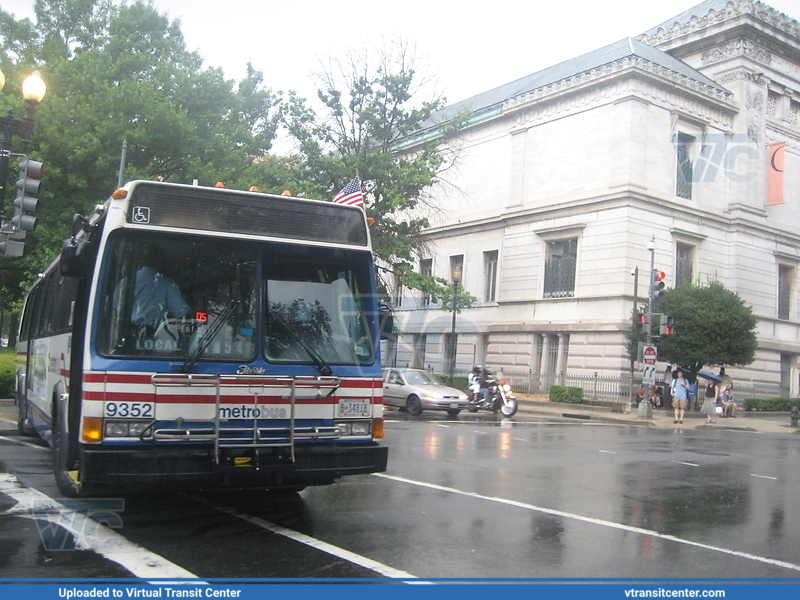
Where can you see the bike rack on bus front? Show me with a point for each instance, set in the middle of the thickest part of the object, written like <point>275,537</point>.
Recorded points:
<point>254,436</point>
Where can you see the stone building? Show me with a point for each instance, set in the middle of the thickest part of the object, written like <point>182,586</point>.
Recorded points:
<point>565,176</point>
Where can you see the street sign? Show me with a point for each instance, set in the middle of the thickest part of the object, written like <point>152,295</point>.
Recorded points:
<point>649,355</point>
<point>649,375</point>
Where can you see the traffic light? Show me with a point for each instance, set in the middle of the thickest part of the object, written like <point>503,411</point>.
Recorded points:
<point>667,325</point>
<point>658,285</point>
<point>27,195</point>
<point>643,319</point>
<point>9,247</point>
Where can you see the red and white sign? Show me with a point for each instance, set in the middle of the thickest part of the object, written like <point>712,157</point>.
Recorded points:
<point>650,355</point>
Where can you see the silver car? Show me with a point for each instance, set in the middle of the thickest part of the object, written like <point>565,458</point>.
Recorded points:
<point>417,390</point>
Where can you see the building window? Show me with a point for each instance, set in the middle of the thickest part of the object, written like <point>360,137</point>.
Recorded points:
<point>420,347</point>
<point>684,261</point>
<point>426,270</point>
<point>772,104</point>
<point>456,267</point>
<point>683,186</point>
<point>786,276</point>
<point>490,276</point>
<point>559,268</point>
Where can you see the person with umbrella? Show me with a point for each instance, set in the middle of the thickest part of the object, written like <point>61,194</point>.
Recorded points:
<point>709,407</point>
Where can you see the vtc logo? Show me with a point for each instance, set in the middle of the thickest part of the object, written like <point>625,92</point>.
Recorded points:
<point>731,154</point>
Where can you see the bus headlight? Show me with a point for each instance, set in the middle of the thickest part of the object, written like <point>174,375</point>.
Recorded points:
<point>125,429</point>
<point>359,428</point>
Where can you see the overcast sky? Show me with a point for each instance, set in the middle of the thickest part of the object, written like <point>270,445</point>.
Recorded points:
<point>469,47</point>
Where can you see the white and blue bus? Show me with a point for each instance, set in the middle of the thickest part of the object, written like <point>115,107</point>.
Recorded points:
<point>204,337</point>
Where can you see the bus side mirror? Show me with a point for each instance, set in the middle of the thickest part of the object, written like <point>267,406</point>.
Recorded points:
<point>75,252</point>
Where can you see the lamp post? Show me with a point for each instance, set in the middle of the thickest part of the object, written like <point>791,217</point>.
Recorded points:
<point>33,90</point>
<point>456,281</point>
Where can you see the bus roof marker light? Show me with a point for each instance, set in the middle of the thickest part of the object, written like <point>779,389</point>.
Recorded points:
<point>219,184</point>
<point>286,193</point>
<point>120,194</point>
<point>253,188</point>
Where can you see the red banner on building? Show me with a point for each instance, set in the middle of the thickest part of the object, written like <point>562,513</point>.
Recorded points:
<point>775,173</point>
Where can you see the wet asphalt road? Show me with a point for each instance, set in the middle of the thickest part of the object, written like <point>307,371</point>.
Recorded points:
<point>472,497</point>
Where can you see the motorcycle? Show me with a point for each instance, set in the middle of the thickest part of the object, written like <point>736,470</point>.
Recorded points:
<point>500,399</point>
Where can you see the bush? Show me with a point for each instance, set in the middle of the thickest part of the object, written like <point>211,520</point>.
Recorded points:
<point>8,366</point>
<point>771,404</point>
<point>562,393</point>
<point>460,382</point>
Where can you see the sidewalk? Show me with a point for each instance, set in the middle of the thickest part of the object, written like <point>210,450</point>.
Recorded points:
<point>536,405</point>
<point>755,422</point>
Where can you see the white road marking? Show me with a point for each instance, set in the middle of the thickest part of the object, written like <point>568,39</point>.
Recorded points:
<point>688,464</point>
<point>763,477</point>
<point>106,542</point>
<point>606,452</point>
<point>296,536</point>
<point>24,443</point>
<point>601,522</point>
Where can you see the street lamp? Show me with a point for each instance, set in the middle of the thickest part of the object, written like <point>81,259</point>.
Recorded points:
<point>456,281</point>
<point>33,90</point>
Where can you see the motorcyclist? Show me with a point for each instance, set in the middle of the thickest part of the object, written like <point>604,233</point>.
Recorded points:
<point>484,381</point>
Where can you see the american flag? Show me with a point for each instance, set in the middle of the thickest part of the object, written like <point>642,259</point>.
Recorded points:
<point>350,194</point>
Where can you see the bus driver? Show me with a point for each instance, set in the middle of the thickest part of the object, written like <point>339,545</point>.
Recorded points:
<point>156,297</point>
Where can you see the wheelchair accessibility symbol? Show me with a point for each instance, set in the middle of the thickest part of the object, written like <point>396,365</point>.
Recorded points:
<point>141,214</point>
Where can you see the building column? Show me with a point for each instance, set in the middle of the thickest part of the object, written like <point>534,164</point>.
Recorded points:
<point>562,341</point>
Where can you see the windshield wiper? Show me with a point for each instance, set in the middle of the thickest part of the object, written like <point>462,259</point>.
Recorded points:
<point>205,341</point>
<point>324,368</point>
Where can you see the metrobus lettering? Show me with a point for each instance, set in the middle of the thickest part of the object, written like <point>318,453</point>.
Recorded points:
<point>207,336</point>
<point>252,412</point>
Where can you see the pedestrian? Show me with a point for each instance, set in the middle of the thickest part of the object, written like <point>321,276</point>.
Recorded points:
<point>680,396</point>
<point>727,382</point>
<point>725,402</point>
<point>668,378</point>
<point>709,407</point>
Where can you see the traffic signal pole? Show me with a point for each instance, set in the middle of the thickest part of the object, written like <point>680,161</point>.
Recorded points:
<point>645,407</point>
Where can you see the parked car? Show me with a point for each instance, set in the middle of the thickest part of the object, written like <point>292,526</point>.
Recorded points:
<point>417,390</point>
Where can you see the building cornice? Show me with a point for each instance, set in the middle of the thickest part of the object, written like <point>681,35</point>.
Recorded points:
<point>623,199</point>
<point>733,10</point>
<point>652,84</point>
<point>593,76</point>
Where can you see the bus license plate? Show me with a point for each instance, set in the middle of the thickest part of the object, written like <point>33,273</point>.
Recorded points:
<point>354,408</point>
<point>129,410</point>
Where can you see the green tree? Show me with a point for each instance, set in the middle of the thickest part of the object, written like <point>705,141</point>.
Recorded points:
<point>370,105</point>
<point>123,72</point>
<point>713,326</point>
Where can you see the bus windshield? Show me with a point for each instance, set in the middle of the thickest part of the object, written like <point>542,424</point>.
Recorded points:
<point>182,297</point>
<point>165,295</point>
<point>314,311</point>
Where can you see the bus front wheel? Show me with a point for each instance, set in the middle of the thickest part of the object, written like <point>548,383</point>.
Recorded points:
<point>64,458</point>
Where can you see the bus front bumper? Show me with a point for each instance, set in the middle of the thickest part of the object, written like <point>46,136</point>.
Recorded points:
<point>197,467</point>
